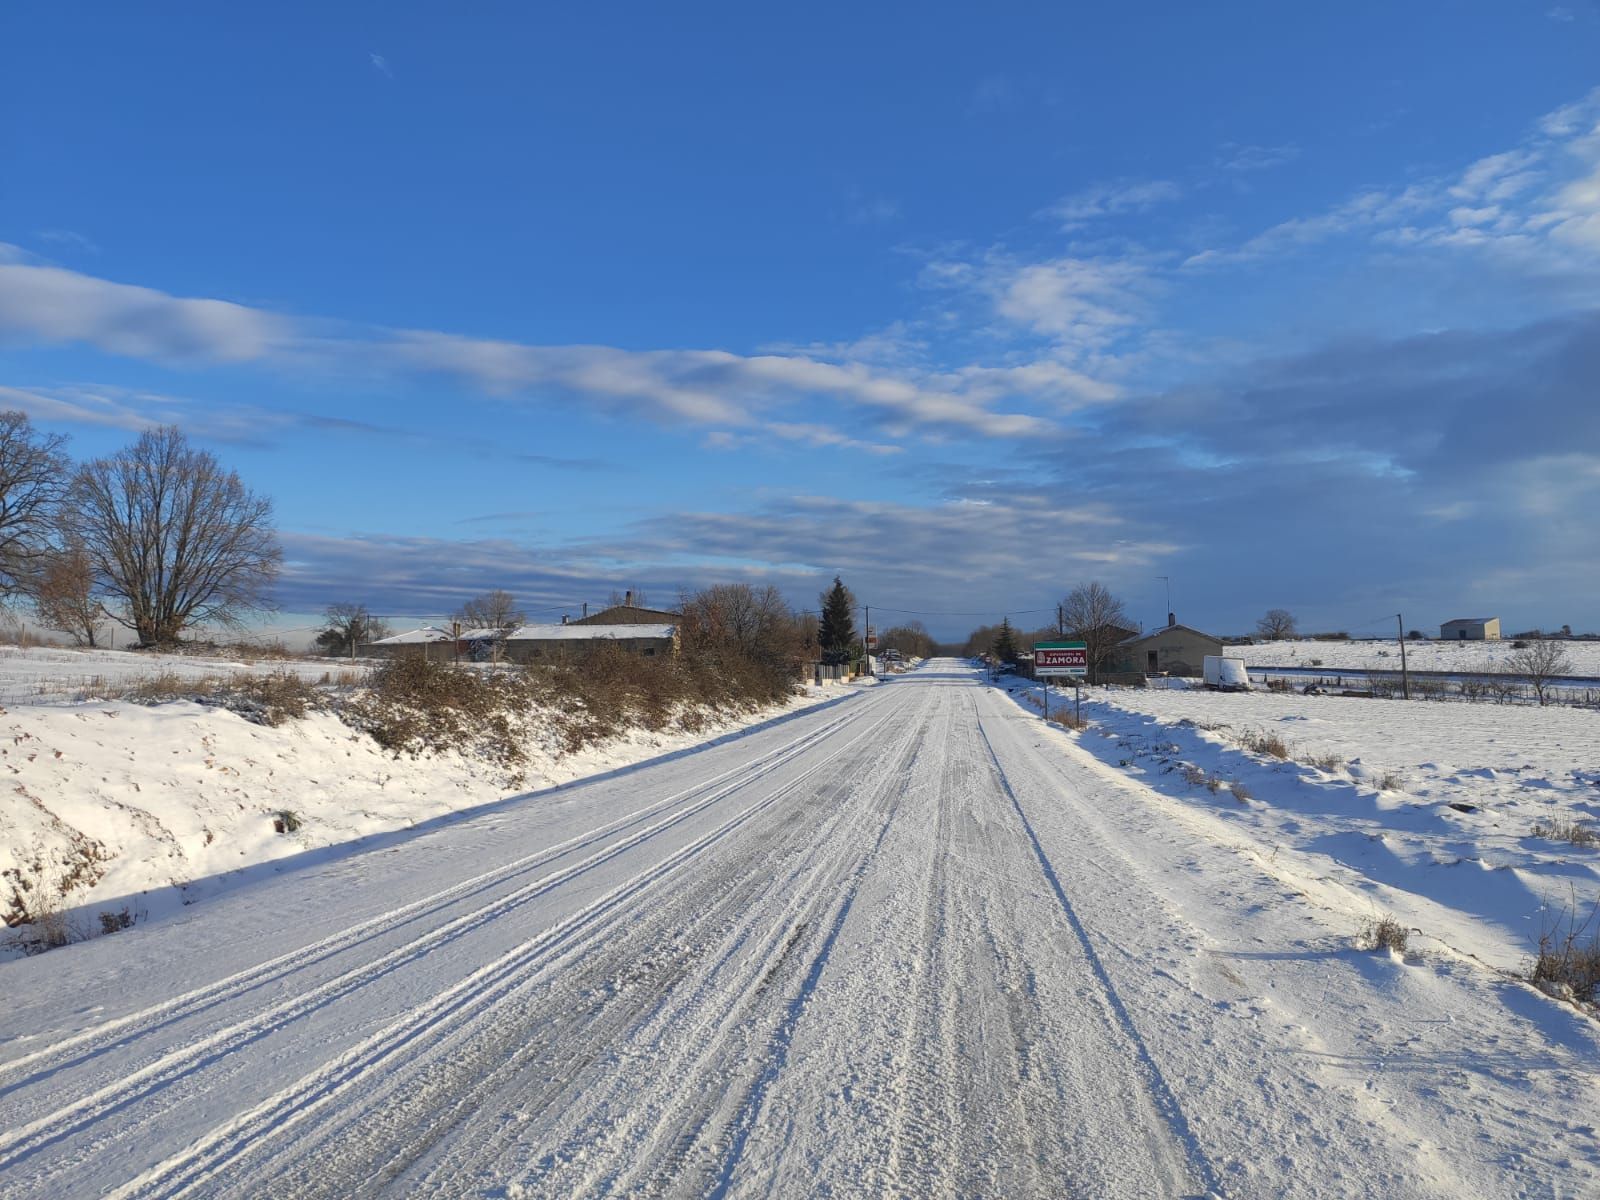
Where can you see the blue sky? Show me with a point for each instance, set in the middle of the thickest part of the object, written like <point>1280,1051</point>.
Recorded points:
<point>1297,306</point>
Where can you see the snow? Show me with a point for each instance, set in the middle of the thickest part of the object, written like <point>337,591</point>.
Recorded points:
<point>914,943</point>
<point>1420,655</point>
<point>427,635</point>
<point>1448,847</point>
<point>585,633</point>
<point>160,805</point>
<point>46,674</point>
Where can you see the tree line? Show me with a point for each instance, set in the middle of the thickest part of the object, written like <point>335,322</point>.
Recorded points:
<point>1090,613</point>
<point>157,538</point>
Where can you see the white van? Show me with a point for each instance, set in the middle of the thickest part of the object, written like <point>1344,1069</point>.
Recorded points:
<point>1226,674</point>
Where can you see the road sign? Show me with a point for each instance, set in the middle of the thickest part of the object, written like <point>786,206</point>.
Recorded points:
<point>1056,660</point>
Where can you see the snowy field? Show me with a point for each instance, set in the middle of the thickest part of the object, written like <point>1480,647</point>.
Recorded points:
<point>916,943</point>
<point>1420,656</point>
<point>50,674</point>
<point>1427,809</point>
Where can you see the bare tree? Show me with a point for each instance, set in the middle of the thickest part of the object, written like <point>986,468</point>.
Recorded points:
<point>63,595</point>
<point>1097,618</point>
<point>743,632</point>
<point>34,477</point>
<point>348,627</point>
<point>492,610</point>
<point>911,639</point>
<point>175,539</point>
<point>1278,624</point>
<point>1539,664</point>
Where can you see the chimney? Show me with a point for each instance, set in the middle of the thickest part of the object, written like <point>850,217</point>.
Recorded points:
<point>563,618</point>
<point>628,598</point>
<point>1171,619</point>
<point>586,608</point>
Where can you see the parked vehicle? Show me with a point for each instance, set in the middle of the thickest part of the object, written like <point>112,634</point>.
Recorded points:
<point>1225,674</point>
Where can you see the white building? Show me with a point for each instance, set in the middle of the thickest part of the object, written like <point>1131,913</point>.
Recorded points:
<point>1471,629</point>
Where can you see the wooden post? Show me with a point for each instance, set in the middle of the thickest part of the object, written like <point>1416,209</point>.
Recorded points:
<point>1405,675</point>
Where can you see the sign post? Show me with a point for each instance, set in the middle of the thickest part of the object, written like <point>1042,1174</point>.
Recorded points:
<point>1061,660</point>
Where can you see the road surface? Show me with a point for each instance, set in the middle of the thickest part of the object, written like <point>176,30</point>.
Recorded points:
<point>911,944</point>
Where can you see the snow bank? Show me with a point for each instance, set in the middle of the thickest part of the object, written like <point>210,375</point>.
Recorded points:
<point>116,804</point>
<point>1428,809</point>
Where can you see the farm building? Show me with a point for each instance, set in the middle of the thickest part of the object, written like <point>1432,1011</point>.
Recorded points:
<point>426,642</point>
<point>1471,629</point>
<point>572,640</point>
<point>1173,649</point>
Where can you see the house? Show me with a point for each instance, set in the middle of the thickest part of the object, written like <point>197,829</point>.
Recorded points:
<point>427,642</point>
<point>1471,629</point>
<point>1173,649</point>
<point>571,640</point>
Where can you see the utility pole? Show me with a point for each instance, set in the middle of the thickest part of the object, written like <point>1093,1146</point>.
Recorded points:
<point>1405,675</point>
<point>866,638</point>
<point>1061,620</point>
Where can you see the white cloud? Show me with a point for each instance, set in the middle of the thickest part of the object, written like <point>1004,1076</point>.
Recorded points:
<point>1236,157</point>
<point>49,304</point>
<point>1516,203</point>
<point>1110,199</point>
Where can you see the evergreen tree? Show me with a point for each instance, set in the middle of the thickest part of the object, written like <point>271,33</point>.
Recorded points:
<point>1005,643</point>
<point>836,633</point>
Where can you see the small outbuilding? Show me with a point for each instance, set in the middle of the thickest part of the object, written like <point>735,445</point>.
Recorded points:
<point>1471,629</point>
<point>1173,649</point>
<point>427,642</point>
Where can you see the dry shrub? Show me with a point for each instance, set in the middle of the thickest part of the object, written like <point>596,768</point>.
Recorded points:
<point>1385,933</point>
<point>412,705</point>
<point>1193,775</point>
<point>270,699</point>
<point>1390,781</point>
<point>1240,793</point>
<point>1568,961</point>
<point>1579,833</point>
<point>1066,718</point>
<point>1262,742</point>
<point>165,686</point>
<point>1326,762</point>
<point>115,920</point>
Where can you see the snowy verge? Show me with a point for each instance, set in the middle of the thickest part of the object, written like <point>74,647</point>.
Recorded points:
<point>117,808</point>
<point>1424,811</point>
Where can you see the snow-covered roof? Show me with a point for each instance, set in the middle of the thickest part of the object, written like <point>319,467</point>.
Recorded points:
<point>584,633</point>
<point>414,637</point>
<point>1471,620</point>
<point>487,633</point>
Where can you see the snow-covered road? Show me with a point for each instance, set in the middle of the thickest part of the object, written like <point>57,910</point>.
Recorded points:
<point>915,943</point>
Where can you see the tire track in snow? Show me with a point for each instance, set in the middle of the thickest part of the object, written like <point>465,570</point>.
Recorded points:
<point>782,1037</point>
<point>1164,1100</point>
<point>722,1071</point>
<point>186,1061</point>
<point>121,1031</point>
<point>532,1056</point>
<point>915,1127</point>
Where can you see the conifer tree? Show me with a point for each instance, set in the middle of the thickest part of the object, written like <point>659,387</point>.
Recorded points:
<point>1005,643</point>
<point>836,632</point>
